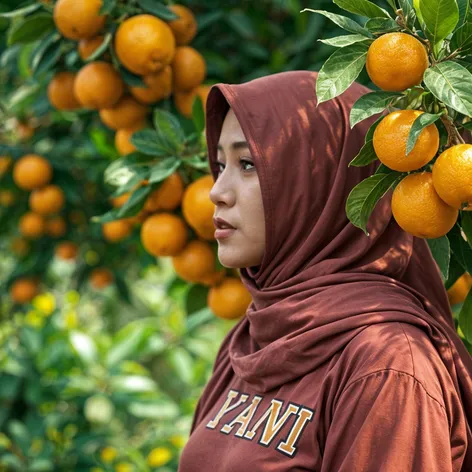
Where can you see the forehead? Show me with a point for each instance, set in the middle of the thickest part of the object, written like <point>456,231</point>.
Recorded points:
<point>231,128</point>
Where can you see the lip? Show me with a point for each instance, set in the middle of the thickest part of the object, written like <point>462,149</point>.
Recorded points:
<point>219,222</point>
<point>224,233</point>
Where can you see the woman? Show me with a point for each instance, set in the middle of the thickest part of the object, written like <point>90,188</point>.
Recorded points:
<point>347,359</point>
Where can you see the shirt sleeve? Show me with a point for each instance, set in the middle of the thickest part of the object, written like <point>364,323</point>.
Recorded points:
<point>386,421</point>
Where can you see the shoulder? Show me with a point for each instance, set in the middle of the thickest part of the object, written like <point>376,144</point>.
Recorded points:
<point>395,350</point>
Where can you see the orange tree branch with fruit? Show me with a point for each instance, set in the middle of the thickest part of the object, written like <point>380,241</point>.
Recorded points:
<point>418,54</point>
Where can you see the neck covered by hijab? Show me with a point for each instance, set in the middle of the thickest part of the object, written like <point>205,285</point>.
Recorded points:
<point>321,280</point>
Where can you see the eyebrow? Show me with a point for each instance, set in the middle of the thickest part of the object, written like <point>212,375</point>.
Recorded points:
<point>236,145</point>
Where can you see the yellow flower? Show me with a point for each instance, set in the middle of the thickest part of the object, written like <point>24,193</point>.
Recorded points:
<point>159,456</point>
<point>45,303</point>
<point>108,454</point>
<point>71,319</point>
<point>34,318</point>
<point>72,297</point>
<point>124,467</point>
<point>178,440</point>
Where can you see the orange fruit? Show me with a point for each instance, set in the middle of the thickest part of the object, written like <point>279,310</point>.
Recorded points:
<point>24,130</point>
<point>184,100</point>
<point>158,86</point>
<point>20,246</point>
<point>66,250</point>
<point>214,278</point>
<point>144,44</point>
<point>188,69</point>
<point>195,261</point>
<point>122,138</point>
<point>390,138</point>
<point>98,85</point>
<point>32,171</point>
<point>5,162</point>
<point>87,47</point>
<point>47,200</point>
<point>230,299</point>
<point>167,196</point>
<point>164,234</point>
<point>117,230</point>
<point>396,61</point>
<point>418,209</point>
<point>459,290</point>
<point>118,202</point>
<point>78,19</point>
<point>197,207</point>
<point>124,114</point>
<point>101,277</point>
<point>56,227</point>
<point>137,219</point>
<point>24,290</point>
<point>61,91</point>
<point>32,225</point>
<point>7,198</point>
<point>452,176</point>
<point>185,27</point>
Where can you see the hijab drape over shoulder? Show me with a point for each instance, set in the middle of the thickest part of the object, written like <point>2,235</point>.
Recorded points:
<point>322,281</point>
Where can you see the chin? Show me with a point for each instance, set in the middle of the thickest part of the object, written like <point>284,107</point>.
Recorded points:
<point>231,260</point>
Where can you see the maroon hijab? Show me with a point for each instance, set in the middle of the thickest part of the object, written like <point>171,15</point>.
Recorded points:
<point>322,280</point>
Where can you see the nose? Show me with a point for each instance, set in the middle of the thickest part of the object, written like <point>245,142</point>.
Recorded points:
<point>222,192</point>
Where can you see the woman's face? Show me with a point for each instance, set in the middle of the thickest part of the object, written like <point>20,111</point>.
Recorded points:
<point>238,199</point>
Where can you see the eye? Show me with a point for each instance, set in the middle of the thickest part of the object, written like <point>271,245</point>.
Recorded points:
<point>244,162</point>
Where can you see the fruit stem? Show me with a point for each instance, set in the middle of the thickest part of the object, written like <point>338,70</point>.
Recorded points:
<point>454,137</point>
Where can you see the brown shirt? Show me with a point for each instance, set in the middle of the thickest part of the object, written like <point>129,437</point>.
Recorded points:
<point>384,403</point>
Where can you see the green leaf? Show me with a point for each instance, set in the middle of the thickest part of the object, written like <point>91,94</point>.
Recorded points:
<point>148,141</point>
<point>365,195</point>
<point>130,78</point>
<point>12,461</point>
<point>158,9</point>
<point>342,21</point>
<point>197,162</point>
<point>460,248</point>
<point>366,155</point>
<point>30,29</point>
<point>198,115</point>
<point>408,12</point>
<point>181,363</point>
<point>169,128</point>
<point>84,346</point>
<point>466,223</point>
<point>455,271</point>
<point>101,49</point>
<point>345,40</point>
<point>370,104</point>
<point>462,38</point>
<point>21,11</point>
<point>199,318</point>
<point>163,169</point>
<point>340,70</point>
<point>196,298</point>
<point>424,120</point>
<point>135,202</point>
<point>464,11</point>
<point>451,84</point>
<point>241,24</point>
<point>441,252</point>
<point>158,409</point>
<point>362,8</point>
<point>440,18</point>
<point>382,25</point>
<point>108,6</point>
<point>41,465</point>
<point>133,383</point>
<point>47,58</point>
<point>369,136</point>
<point>465,317</point>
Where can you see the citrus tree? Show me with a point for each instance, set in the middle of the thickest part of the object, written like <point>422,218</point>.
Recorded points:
<point>418,53</point>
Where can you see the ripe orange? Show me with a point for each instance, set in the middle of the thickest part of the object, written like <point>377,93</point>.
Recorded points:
<point>144,44</point>
<point>118,202</point>
<point>124,114</point>
<point>164,234</point>
<point>158,86</point>
<point>396,61</point>
<point>117,230</point>
<point>24,130</point>
<point>137,219</point>
<point>20,246</point>
<point>87,47</point>
<point>184,100</point>
<point>214,278</point>
<point>188,69</point>
<point>5,162</point>
<point>197,207</point>
<point>7,198</point>
<point>390,138</point>
<point>185,27</point>
<point>122,138</point>
<point>66,250</point>
<point>32,171</point>
<point>418,209</point>
<point>459,290</point>
<point>78,19</point>
<point>47,200</point>
<point>56,227</point>
<point>98,85</point>
<point>32,225</point>
<point>230,299</point>
<point>168,196</point>
<point>61,91</point>
<point>23,290</point>
<point>452,176</point>
<point>195,261</point>
<point>101,277</point>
